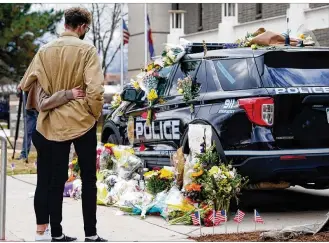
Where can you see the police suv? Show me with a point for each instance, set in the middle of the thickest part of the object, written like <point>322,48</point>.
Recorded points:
<point>268,109</point>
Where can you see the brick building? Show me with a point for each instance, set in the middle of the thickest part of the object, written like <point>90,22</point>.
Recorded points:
<point>221,22</point>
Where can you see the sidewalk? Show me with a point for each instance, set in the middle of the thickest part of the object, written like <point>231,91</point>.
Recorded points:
<point>20,223</point>
<point>21,220</point>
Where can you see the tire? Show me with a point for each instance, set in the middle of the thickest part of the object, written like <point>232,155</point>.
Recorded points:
<point>113,139</point>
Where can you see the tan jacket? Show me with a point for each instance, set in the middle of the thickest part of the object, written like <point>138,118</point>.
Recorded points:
<point>40,101</point>
<point>63,64</point>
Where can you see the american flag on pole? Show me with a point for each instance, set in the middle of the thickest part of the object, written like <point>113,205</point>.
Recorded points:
<point>239,216</point>
<point>125,33</point>
<point>258,218</point>
<point>195,218</point>
<point>220,216</point>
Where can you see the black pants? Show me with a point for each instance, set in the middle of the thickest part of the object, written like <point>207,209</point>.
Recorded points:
<point>41,203</point>
<point>85,147</point>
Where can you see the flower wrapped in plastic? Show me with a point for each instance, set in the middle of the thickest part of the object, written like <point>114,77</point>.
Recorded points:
<point>127,165</point>
<point>121,187</point>
<point>102,194</point>
<point>104,156</point>
<point>158,181</point>
<point>172,54</point>
<point>116,101</point>
<point>178,162</point>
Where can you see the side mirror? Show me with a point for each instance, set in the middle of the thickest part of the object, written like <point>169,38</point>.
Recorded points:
<point>132,95</point>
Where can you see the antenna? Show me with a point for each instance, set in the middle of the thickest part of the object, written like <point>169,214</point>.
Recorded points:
<point>204,48</point>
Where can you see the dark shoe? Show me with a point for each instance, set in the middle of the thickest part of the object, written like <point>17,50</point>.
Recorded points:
<point>64,239</point>
<point>99,239</point>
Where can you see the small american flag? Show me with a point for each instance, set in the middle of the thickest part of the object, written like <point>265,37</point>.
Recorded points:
<point>220,216</point>
<point>258,218</point>
<point>239,216</point>
<point>125,33</point>
<point>195,218</point>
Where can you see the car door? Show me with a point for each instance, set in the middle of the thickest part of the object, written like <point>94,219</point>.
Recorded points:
<point>137,130</point>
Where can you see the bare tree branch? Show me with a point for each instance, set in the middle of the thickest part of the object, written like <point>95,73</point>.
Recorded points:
<point>113,56</point>
<point>105,20</point>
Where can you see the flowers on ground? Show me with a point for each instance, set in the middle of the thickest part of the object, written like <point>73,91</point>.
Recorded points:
<point>159,180</point>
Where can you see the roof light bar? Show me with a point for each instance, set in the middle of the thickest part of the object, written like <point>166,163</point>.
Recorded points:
<point>196,47</point>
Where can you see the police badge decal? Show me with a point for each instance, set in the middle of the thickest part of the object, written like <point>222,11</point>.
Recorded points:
<point>131,130</point>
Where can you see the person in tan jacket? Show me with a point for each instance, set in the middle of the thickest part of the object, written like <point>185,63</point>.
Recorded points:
<point>63,64</point>
<point>38,100</point>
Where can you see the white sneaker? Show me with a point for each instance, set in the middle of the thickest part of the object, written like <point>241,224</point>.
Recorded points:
<point>46,236</point>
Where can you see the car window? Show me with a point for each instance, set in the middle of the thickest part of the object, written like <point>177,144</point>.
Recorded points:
<point>183,70</point>
<point>164,73</point>
<point>237,74</point>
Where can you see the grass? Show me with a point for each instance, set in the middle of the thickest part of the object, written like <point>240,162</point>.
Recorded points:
<point>29,168</point>
<point>20,166</point>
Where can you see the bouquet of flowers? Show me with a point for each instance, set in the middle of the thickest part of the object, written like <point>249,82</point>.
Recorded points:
<point>172,54</point>
<point>104,157</point>
<point>158,180</point>
<point>193,192</point>
<point>74,166</point>
<point>189,89</point>
<point>116,101</point>
<point>223,184</point>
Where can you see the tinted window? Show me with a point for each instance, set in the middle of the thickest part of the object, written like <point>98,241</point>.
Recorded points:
<point>183,70</point>
<point>236,74</point>
<point>289,69</point>
<point>164,73</point>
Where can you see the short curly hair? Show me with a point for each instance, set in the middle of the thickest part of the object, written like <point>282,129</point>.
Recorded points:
<point>77,16</point>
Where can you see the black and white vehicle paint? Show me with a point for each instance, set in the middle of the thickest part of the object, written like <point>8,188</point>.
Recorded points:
<point>268,109</point>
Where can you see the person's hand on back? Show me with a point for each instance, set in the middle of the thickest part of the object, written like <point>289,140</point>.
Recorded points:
<point>78,93</point>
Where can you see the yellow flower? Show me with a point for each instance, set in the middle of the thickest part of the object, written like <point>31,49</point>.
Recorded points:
<point>166,174</point>
<point>162,101</point>
<point>135,84</point>
<point>152,95</point>
<point>74,161</point>
<point>254,47</point>
<point>180,91</point>
<point>109,145</point>
<point>197,174</point>
<point>150,174</point>
<point>301,36</point>
<point>150,67</point>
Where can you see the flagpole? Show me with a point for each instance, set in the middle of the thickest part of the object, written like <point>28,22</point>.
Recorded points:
<point>145,33</point>
<point>255,218</point>
<point>199,219</point>
<point>225,222</point>
<point>121,47</point>
<point>213,221</point>
<point>237,228</point>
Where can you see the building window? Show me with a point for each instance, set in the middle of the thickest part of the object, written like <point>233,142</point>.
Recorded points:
<point>229,9</point>
<point>200,27</point>
<point>259,10</point>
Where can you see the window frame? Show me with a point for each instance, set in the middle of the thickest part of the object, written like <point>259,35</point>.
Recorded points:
<point>173,74</point>
<point>259,82</point>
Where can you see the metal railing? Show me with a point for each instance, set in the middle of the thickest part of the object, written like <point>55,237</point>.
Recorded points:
<point>3,180</point>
